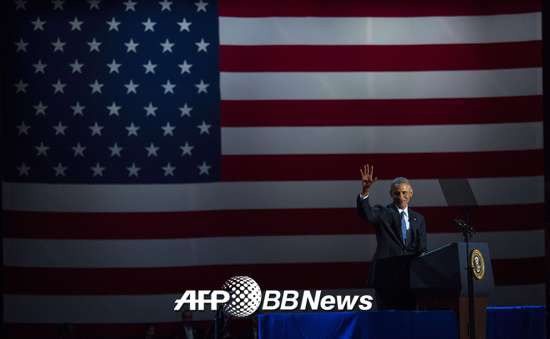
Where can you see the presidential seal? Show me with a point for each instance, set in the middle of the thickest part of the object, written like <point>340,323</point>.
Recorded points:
<point>477,263</point>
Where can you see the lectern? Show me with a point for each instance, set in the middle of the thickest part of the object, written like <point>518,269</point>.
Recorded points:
<point>439,279</point>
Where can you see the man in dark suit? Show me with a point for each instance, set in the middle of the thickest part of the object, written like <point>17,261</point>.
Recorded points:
<point>400,235</point>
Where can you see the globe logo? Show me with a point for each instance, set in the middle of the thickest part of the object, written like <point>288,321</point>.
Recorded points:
<point>245,296</point>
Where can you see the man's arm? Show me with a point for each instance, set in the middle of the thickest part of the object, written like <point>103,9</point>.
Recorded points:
<point>423,242</point>
<point>366,211</point>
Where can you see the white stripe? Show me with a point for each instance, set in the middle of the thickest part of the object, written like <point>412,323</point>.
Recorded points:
<point>380,31</point>
<point>188,252</point>
<point>247,195</point>
<point>489,191</point>
<point>159,308</point>
<point>382,139</point>
<point>380,85</point>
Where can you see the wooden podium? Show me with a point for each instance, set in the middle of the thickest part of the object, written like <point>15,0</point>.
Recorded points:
<point>439,280</point>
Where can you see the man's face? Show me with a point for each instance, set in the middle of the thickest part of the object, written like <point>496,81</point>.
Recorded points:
<point>401,195</point>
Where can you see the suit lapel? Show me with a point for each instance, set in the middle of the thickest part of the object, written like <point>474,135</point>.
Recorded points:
<point>413,223</point>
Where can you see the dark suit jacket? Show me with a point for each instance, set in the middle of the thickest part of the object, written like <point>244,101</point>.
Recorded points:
<point>389,240</point>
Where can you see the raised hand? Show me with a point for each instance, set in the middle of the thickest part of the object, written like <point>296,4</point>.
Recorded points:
<point>367,178</point>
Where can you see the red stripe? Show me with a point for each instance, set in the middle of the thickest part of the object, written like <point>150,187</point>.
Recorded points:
<point>247,113</point>
<point>346,166</point>
<point>69,281</point>
<point>380,58</point>
<point>353,8</point>
<point>250,222</point>
<point>519,271</point>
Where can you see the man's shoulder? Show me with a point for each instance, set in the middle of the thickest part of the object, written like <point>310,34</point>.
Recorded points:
<point>416,215</point>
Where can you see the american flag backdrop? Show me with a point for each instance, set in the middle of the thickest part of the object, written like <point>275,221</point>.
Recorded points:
<point>156,146</point>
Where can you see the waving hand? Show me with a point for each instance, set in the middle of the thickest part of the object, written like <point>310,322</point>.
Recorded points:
<point>367,178</point>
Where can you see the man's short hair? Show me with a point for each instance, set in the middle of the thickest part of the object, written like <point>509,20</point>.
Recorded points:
<point>400,181</point>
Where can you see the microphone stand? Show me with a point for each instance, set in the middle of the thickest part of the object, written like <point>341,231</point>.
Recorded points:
<point>218,324</point>
<point>467,231</point>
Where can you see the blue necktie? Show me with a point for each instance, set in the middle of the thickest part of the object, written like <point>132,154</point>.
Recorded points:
<point>404,226</point>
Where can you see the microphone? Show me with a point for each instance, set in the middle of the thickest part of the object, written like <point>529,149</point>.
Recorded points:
<point>466,229</point>
<point>460,223</point>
